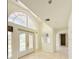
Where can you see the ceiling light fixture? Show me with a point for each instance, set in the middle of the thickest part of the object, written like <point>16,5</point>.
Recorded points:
<point>50,1</point>
<point>47,19</point>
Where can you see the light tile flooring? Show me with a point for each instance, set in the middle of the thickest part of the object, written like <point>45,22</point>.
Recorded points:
<point>44,55</point>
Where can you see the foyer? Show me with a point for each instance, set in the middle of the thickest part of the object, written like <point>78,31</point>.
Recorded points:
<point>39,29</point>
<point>44,55</point>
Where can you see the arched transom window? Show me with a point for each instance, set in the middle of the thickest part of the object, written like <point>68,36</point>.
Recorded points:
<point>22,19</point>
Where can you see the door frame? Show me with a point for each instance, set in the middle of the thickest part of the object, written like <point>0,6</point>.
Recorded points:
<point>19,27</point>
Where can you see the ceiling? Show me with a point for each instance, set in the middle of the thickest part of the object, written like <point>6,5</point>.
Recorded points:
<point>58,11</point>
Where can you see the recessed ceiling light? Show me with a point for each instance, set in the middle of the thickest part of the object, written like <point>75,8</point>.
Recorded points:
<point>47,19</point>
<point>50,1</point>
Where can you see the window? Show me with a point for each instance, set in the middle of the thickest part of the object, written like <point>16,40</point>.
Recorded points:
<point>31,23</point>
<point>9,44</point>
<point>22,19</point>
<point>30,40</point>
<point>19,18</point>
<point>47,38</point>
<point>22,40</point>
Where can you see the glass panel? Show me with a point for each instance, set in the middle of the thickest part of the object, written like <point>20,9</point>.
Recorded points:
<point>30,40</point>
<point>31,23</point>
<point>22,39</point>
<point>48,40</point>
<point>9,44</point>
<point>19,18</point>
<point>22,19</point>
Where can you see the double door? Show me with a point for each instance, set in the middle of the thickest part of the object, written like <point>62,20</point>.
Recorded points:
<point>20,42</point>
<point>26,42</point>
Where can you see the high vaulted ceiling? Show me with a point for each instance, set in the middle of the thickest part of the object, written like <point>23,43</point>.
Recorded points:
<point>58,11</point>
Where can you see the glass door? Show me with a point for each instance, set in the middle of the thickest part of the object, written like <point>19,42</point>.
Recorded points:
<point>9,45</point>
<point>23,48</point>
<point>26,42</point>
<point>22,41</point>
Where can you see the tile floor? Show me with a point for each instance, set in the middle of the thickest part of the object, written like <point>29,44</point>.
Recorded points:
<point>44,55</point>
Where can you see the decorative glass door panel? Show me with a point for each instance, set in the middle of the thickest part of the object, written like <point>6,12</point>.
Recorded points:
<point>22,41</point>
<point>9,44</point>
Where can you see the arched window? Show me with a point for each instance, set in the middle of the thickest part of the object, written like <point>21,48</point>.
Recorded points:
<point>18,18</point>
<point>22,19</point>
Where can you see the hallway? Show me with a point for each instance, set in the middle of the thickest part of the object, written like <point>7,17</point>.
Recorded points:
<point>37,31</point>
<point>44,55</point>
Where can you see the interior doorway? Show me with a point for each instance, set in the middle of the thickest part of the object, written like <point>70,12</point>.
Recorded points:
<point>63,39</point>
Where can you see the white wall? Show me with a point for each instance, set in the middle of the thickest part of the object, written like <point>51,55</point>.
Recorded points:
<point>54,40</point>
<point>70,37</point>
<point>47,47</point>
